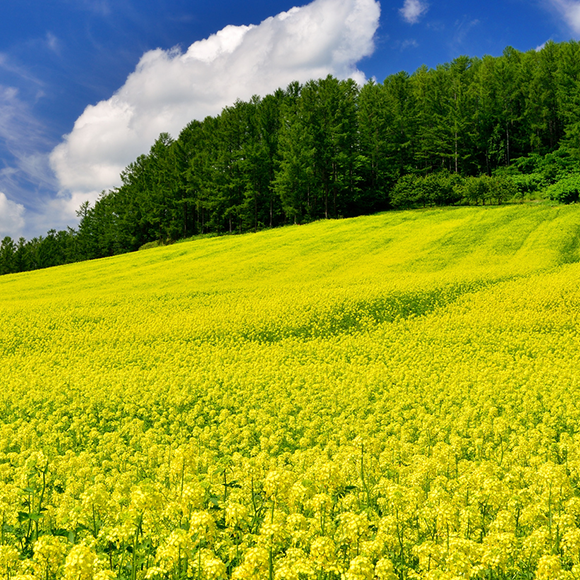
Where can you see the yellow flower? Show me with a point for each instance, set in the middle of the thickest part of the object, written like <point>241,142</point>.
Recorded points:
<point>549,568</point>
<point>49,554</point>
<point>323,554</point>
<point>384,569</point>
<point>361,568</point>
<point>255,565</point>
<point>9,560</point>
<point>81,563</point>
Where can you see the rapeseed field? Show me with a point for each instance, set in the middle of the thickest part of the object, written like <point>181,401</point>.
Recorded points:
<point>386,397</point>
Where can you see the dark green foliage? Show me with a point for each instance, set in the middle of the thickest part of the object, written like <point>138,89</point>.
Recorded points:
<point>566,190</point>
<point>477,190</point>
<point>408,192</point>
<point>442,188</point>
<point>473,131</point>
<point>7,256</point>
<point>439,189</point>
<point>386,119</point>
<point>293,182</point>
<point>504,189</point>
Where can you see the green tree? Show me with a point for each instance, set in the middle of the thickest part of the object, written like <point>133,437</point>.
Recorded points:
<point>21,258</point>
<point>294,178</point>
<point>442,188</point>
<point>566,190</point>
<point>328,107</point>
<point>542,102</point>
<point>7,256</point>
<point>568,93</point>
<point>202,143</point>
<point>477,189</point>
<point>386,127</point>
<point>408,191</point>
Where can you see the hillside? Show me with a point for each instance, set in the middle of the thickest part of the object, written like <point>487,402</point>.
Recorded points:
<point>390,396</point>
<point>463,243</point>
<point>473,131</point>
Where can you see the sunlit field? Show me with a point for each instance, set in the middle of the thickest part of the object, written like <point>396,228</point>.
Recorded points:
<point>389,397</point>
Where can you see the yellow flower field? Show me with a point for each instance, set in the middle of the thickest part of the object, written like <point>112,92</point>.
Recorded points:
<point>393,396</point>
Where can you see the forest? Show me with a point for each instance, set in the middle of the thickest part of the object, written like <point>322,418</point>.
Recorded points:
<point>472,131</point>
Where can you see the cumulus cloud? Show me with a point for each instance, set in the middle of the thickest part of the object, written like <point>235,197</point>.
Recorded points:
<point>168,89</point>
<point>412,10</point>
<point>11,217</point>
<point>569,10</point>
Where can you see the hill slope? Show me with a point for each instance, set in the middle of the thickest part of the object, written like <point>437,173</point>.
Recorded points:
<point>391,394</point>
<point>462,242</point>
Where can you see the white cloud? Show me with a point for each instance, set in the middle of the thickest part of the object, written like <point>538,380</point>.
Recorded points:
<point>100,7</point>
<point>53,43</point>
<point>8,65</point>
<point>11,217</point>
<point>462,29</point>
<point>410,43</point>
<point>412,10</point>
<point>569,10</point>
<point>26,173</point>
<point>168,89</point>
<point>20,132</point>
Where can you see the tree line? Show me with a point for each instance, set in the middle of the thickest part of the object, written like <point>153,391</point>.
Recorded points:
<point>474,130</point>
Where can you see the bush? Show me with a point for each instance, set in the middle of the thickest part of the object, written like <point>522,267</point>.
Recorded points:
<point>443,188</point>
<point>566,190</point>
<point>528,183</point>
<point>407,191</point>
<point>477,189</point>
<point>149,245</point>
<point>503,189</point>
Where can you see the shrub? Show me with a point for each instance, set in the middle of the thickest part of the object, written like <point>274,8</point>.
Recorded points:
<point>150,245</point>
<point>407,191</point>
<point>566,190</point>
<point>503,189</point>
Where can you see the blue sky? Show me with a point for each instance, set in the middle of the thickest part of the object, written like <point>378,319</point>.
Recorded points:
<point>87,85</point>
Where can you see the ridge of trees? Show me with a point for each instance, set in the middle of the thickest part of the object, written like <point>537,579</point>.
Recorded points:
<point>474,130</point>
